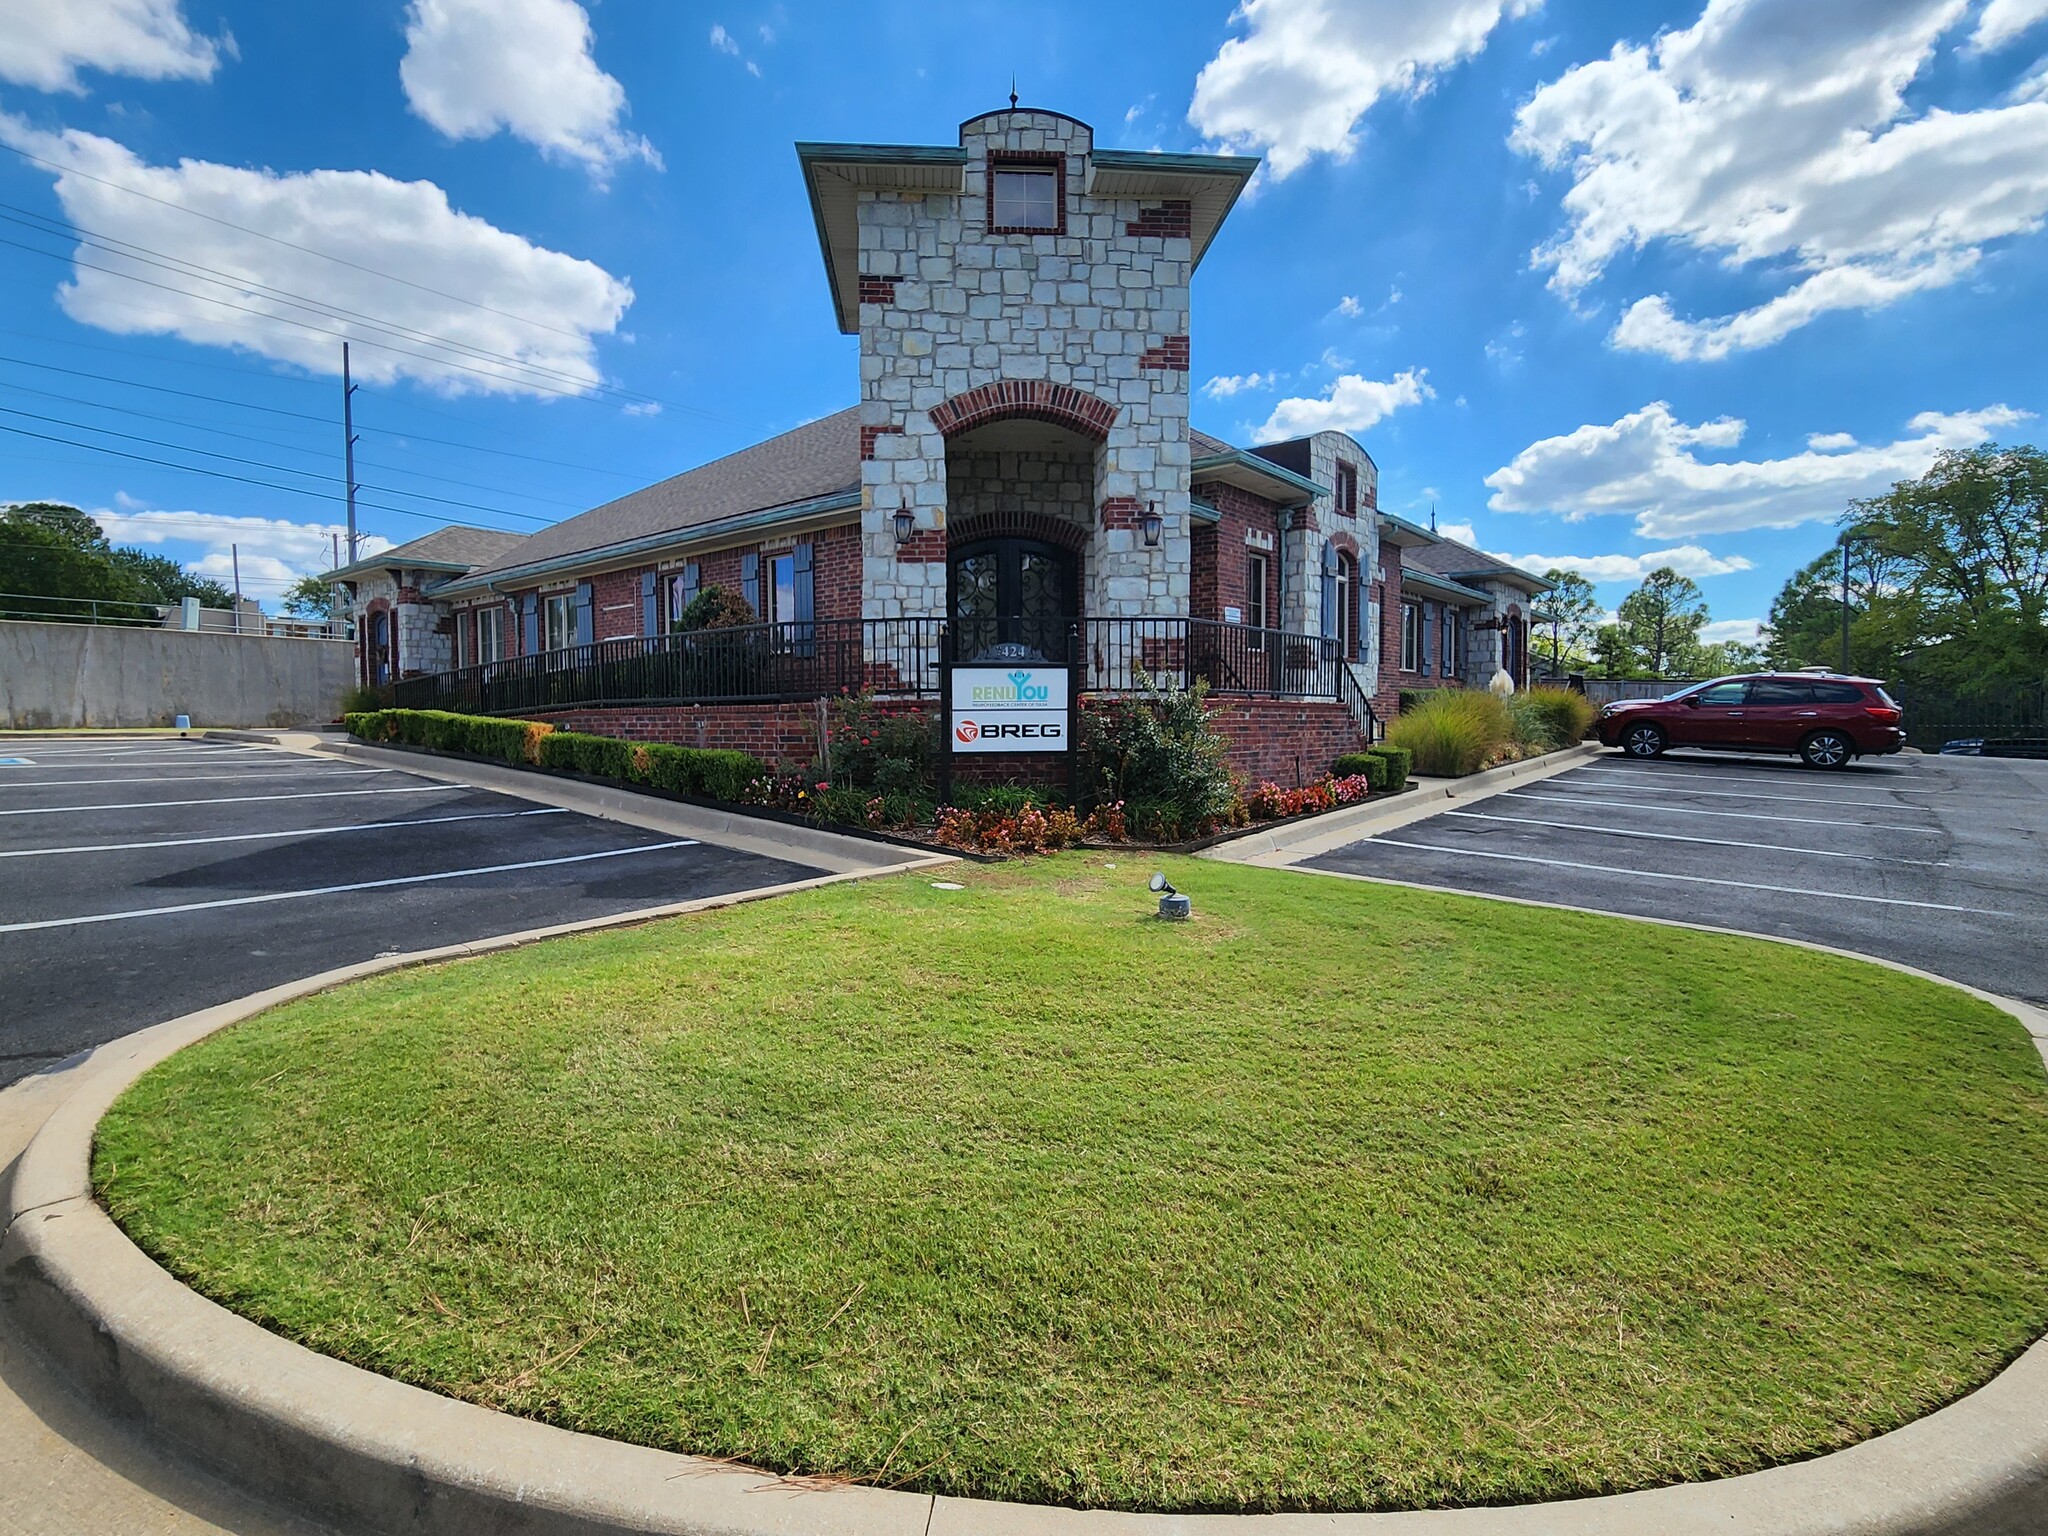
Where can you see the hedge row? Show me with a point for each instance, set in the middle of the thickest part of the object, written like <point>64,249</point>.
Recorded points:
<point>1385,768</point>
<point>708,774</point>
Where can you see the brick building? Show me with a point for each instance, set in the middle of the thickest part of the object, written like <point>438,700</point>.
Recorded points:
<point>1018,479</point>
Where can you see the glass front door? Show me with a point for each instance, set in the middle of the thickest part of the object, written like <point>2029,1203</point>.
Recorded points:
<point>1012,600</point>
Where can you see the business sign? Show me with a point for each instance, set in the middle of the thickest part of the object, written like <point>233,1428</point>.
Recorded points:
<point>1009,709</point>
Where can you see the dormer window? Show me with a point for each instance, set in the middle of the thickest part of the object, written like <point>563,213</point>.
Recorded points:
<point>1024,197</point>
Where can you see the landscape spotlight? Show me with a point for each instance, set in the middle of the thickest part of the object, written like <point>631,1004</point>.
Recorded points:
<point>1173,906</point>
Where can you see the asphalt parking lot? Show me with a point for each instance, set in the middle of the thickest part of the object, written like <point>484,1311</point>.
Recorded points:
<point>1933,861</point>
<point>143,879</point>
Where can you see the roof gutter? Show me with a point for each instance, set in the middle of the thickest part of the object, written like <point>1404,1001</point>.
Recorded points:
<point>540,570</point>
<point>1304,489</point>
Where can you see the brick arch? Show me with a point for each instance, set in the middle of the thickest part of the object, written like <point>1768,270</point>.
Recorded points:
<point>1029,400</point>
<point>1061,533</point>
<point>1344,544</point>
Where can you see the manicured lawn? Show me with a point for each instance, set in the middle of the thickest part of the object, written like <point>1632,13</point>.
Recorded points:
<point>1339,1197</point>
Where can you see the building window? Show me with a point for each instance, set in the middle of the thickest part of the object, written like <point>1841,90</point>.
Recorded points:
<point>1411,637</point>
<point>1347,490</point>
<point>1025,198</point>
<point>1255,590</point>
<point>782,589</point>
<point>490,635</point>
<point>558,621</point>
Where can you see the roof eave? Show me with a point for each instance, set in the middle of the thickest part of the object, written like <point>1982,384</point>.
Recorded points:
<point>813,157</point>
<point>627,549</point>
<point>378,563</point>
<point>1512,575</point>
<point>1403,534</point>
<point>1429,581</point>
<point>1228,467</point>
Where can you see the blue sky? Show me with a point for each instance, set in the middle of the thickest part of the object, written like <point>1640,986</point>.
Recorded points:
<point>1601,283</point>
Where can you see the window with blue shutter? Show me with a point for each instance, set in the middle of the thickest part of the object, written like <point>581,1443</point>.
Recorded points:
<point>1329,592</point>
<point>805,602</point>
<point>529,624</point>
<point>650,609</point>
<point>586,627</point>
<point>750,580</point>
<point>1430,648</point>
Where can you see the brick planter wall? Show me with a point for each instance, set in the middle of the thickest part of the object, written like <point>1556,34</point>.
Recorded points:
<point>1268,736</point>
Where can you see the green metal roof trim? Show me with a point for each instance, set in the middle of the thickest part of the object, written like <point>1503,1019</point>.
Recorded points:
<point>1240,166</point>
<point>1202,512</point>
<point>1432,583</point>
<point>378,563</point>
<point>881,154</point>
<point>1405,526</point>
<point>839,501</point>
<point>1238,458</point>
<point>1510,573</point>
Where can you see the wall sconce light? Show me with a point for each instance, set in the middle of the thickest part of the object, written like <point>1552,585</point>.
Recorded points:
<point>1152,524</point>
<point>906,523</point>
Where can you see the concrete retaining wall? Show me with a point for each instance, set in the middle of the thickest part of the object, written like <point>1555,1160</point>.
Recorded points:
<point>67,676</point>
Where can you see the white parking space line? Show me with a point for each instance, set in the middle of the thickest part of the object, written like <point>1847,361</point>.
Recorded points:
<point>253,837</point>
<point>1694,810</point>
<point>189,759</point>
<point>310,794</point>
<point>1688,774</point>
<point>316,772</point>
<point>1658,874</point>
<point>1713,842</point>
<point>340,890</point>
<point>1564,781</point>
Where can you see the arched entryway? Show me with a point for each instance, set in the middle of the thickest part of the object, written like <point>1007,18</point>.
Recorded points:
<point>1011,598</point>
<point>380,646</point>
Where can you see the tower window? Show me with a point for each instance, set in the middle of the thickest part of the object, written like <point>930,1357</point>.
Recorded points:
<point>1024,198</point>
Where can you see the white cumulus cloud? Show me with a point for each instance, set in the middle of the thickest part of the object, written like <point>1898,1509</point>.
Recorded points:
<point>1744,631</point>
<point>1778,134</point>
<point>1296,84</point>
<point>1223,386</point>
<point>274,552</point>
<point>545,308</point>
<point>44,43</point>
<point>2003,20</point>
<point>473,68</point>
<point>1686,559</point>
<point>1649,465</point>
<point>1351,404</point>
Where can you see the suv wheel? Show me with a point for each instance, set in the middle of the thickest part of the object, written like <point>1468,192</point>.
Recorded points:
<point>1827,749</point>
<point>1643,741</point>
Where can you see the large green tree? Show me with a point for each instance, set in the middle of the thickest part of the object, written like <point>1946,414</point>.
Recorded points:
<point>1806,615</point>
<point>1662,618</point>
<point>309,598</point>
<point>59,559</point>
<point>1571,612</point>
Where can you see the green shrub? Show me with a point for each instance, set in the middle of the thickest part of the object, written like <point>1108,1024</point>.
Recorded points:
<point>1552,717</point>
<point>504,740</point>
<point>717,608</point>
<point>1371,764</point>
<point>1162,756</point>
<point>1006,799</point>
<point>363,700</point>
<point>1415,698</point>
<point>724,773</point>
<point>880,749</point>
<point>1454,733</point>
<point>1395,763</point>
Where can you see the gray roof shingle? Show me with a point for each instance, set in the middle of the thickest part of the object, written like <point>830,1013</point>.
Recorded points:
<point>1447,557</point>
<point>817,459</point>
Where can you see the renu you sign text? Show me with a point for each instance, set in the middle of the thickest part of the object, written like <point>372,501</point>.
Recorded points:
<point>1009,709</point>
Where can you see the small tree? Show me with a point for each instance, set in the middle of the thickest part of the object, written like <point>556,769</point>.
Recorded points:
<point>309,598</point>
<point>1572,612</point>
<point>1663,616</point>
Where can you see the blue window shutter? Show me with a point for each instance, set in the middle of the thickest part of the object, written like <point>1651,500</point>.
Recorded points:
<point>585,627</point>
<point>1429,645</point>
<point>690,583</point>
<point>803,569</point>
<point>650,611</point>
<point>529,622</point>
<point>750,581</point>
<point>1329,592</point>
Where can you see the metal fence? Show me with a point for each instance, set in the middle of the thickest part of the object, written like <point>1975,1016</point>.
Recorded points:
<point>777,663</point>
<point>2014,719</point>
<point>249,619</point>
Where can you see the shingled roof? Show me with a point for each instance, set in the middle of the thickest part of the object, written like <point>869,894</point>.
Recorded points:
<point>1447,557</point>
<point>457,547</point>
<point>819,459</point>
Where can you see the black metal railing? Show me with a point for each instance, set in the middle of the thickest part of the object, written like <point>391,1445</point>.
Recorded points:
<point>755,663</point>
<point>1352,692</point>
<point>775,663</point>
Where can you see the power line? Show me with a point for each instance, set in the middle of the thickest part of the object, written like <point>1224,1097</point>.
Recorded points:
<point>292,244</point>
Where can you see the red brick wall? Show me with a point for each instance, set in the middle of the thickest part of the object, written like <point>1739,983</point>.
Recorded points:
<point>1242,513</point>
<point>836,564</point>
<point>1203,603</point>
<point>1269,738</point>
<point>1387,702</point>
<point>615,604</point>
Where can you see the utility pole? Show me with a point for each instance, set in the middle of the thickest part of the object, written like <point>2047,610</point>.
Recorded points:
<point>348,441</point>
<point>1846,540</point>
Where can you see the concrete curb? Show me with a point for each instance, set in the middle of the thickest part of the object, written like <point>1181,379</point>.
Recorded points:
<point>1276,848</point>
<point>731,829</point>
<point>373,1454</point>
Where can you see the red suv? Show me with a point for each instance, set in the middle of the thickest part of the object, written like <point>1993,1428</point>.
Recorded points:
<point>1824,718</point>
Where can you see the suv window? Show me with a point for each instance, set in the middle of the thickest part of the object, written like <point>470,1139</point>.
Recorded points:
<point>1771,690</point>
<point>1724,694</point>
<point>1837,693</point>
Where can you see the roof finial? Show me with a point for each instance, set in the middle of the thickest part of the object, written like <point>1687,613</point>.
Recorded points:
<point>1013,90</point>
<point>1432,517</point>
